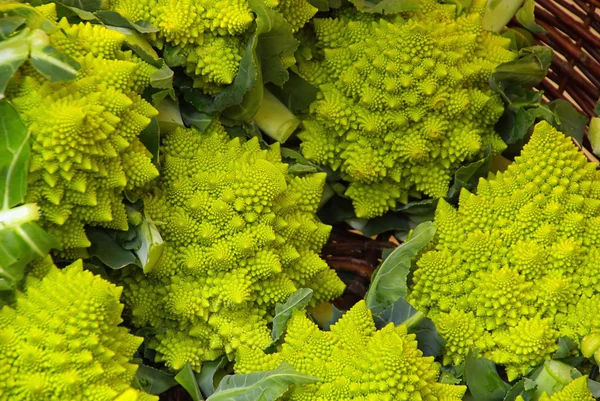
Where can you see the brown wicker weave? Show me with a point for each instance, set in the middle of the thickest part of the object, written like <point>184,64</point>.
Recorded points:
<point>573,32</point>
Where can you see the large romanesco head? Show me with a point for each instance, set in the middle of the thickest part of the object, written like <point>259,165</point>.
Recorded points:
<point>84,134</point>
<point>403,101</point>
<point>241,235</point>
<point>61,340</point>
<point>354,361</point>
<point>515,267</point>
<point>210,34</point>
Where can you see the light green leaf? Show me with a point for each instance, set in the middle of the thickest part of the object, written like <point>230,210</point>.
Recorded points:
<point>34,19</point>
<point>483,380</point>
<point>163,78</point>
<point>21,239</point>
<point>187,379</point>
<point>14,154</point>
<point>87,5</point>
<point>498,13</point>
<point>8,25</point>
<point>150,137</point>
<point>152,245</point>
<point>389,279</point>
<point>13,53</point>
<point>154,381</point>
<point>570,122</point>
<point>283,312</point>
<point>115,19</point>
<point>526,17</point>
<point>53,65</point>
<point>260,386</point>
<point>106,248</point>
<point>206,377</point>
<point>594,135</point>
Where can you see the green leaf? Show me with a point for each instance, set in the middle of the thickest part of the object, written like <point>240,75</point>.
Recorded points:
<point>468,176</point>
<point>389,279</point>
<point>106,248</point>
<point>322,5</point>
<point>87,5</point>
<point>162,78</point>
<point>594,387</point>
<point>519,38</point>
<point>14,155</point>
<point>116,19</point>
<point>187,379</point>
<point>34,19</point>
<point>154,381</point>
<point>136,42</point>
<point>388,222</point>
<point>526,17</point>
<point>150,137</point>
<point>296,94</point>
<point>483,380</point>
<point>297,163</point>
<point>283,312</point>
<point>53,65</point>
<point>528,70</point>
<point>173,56</point>
<point>206,377</point>
<point>525,388</point>
<point>386,6</point>
<point>498,13</point>
<point>565,346</point>
<point>264,386</point>
<point>152,245</point>
<point>13,53</point>
<point>594,135</point>
<point>570,122</point>
<point>8,25</point>
<point>325,315</point>
<point>192,117</point>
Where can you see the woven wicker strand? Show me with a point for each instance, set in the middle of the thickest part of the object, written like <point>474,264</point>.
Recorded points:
<point>573,32</point>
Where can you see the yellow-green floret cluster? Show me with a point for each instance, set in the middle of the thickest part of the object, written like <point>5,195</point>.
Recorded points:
<point>403,100</point>
<point>210,34</point>
<point>61,340</point>
<point>515,267</point>
<point>84,134</point>
<point>241,235</point>
<point>354,361</point>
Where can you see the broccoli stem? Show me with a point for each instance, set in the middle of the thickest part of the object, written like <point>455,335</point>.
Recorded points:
<point>499,12</point>
<point>274,119</point>
<point>19,215</point>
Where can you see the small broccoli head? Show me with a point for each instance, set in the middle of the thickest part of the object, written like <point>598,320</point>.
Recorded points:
<point>58,341</point>
<point>403,101</point>
<point>514,268</point>
<point>241,235</point>
<point>85,149</point>
<point>354,361</point>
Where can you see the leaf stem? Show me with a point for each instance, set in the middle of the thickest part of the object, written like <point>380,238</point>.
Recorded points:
<point>19,215</point>
<point>274,119</point>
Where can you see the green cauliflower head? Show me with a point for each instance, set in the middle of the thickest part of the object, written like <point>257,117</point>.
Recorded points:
<point>85,149</point>
<point>515,267</point>
<point>241,235</point>
<point>402,100</point>
<point>61,340</point>
<point>210,35</point>
<point>354,361</point>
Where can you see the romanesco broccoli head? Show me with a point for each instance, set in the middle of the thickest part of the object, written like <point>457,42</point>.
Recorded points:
<point>577,390</point>
<point>61,339</point>
<point>84,134</point>
<point>514,268</point>
<point>354,361</point>
<point>241,235</point>
<point>211,35</point>
<point>403,100</point>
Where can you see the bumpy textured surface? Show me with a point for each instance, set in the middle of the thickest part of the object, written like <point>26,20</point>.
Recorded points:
<point>515,267</point>
<point>84,134</point>
<point>402,102</point>
<point>241,236</point>
<point>354,361</point>
<point>59,342</point>
<point>210,34</point>
<point>577,390</point>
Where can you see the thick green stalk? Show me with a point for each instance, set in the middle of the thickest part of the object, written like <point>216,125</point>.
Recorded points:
<point>274,119</point>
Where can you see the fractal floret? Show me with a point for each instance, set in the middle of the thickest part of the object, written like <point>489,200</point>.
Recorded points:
<point>515,267</point>
<point>354,361</point>
<point>61,340</point>
<point>403,101</point>
<point>210,34</point>
<point>85,149</point>
<point>241,235</point>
